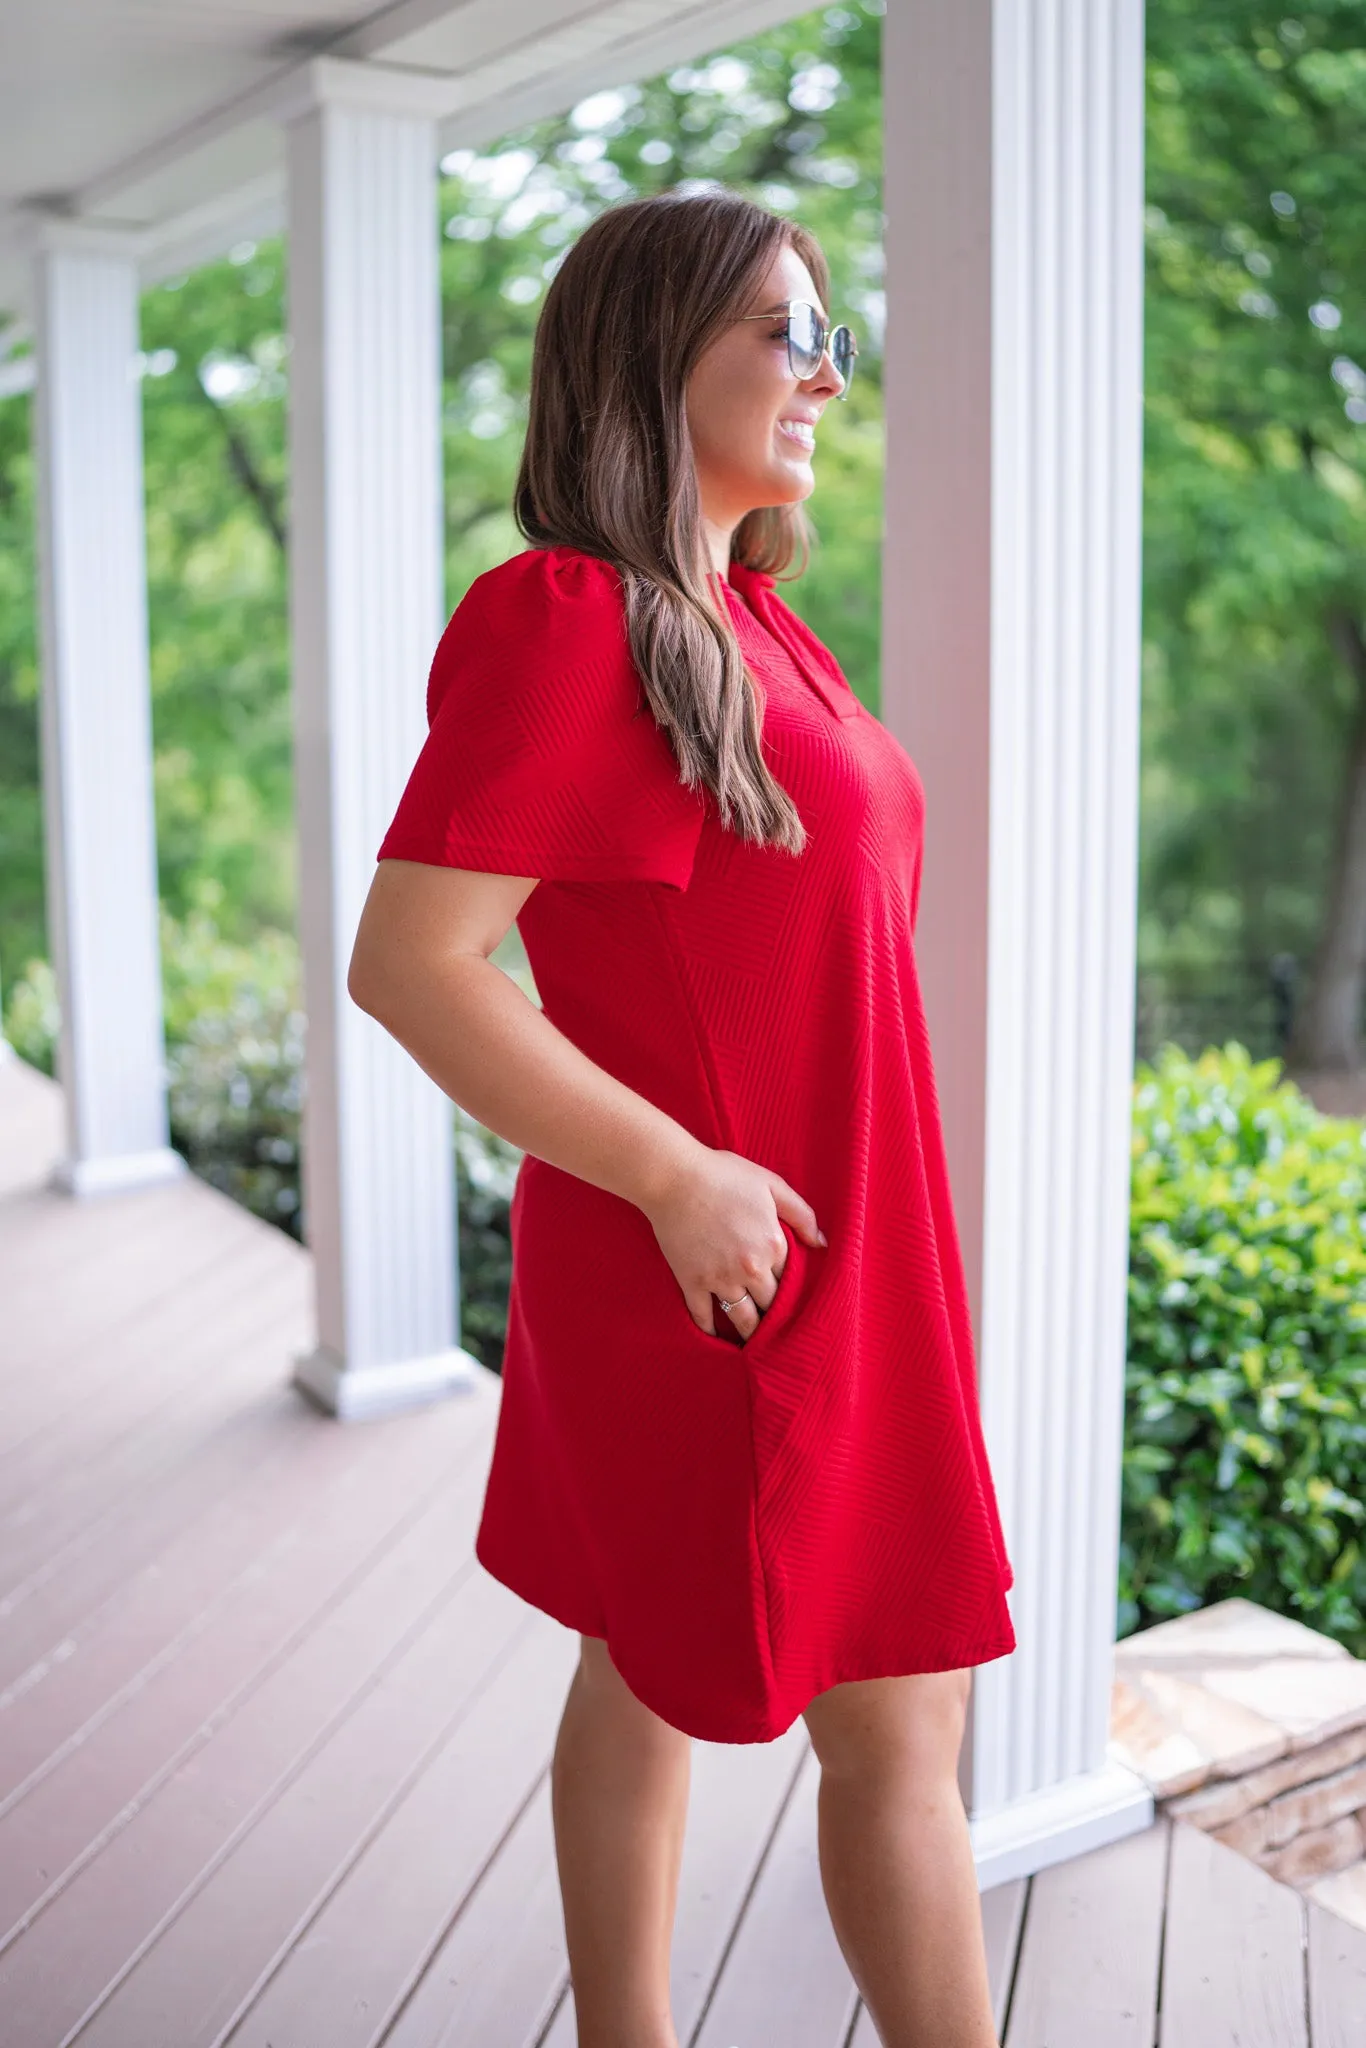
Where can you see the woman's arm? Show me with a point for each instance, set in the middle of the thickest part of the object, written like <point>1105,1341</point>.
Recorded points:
<point>420,966</point>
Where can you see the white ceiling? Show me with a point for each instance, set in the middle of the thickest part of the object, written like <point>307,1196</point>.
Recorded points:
<point>163,115</point>
<point>87,83</point>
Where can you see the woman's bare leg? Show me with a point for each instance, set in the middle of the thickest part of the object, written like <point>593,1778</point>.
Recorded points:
<point>619,1794</point>
<point>896,1857</point>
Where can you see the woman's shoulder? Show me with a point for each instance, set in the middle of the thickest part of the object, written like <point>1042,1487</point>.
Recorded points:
<point>539,622</point>
<point>541,586</point>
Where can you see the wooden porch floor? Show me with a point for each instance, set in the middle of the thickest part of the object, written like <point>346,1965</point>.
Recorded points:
<point>274,1747</point>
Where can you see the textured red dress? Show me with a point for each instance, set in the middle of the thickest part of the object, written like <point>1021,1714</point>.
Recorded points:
<point>746,1525</point>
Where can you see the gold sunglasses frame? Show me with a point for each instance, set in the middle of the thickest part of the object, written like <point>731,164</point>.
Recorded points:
<point>827,333</point>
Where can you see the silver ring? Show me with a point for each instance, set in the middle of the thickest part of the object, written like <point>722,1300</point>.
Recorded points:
<point>729,1305</point>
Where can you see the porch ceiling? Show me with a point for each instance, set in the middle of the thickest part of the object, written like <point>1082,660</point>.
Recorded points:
<point>162,115</point>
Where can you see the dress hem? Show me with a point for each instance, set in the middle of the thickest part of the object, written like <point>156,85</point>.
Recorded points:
<point>771,1731</point>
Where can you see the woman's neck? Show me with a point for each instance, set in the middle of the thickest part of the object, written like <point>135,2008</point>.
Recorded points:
<point>717,538</point>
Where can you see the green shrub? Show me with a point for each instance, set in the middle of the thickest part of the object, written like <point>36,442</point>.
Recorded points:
<point>1245,1438</point>
<point>485,1169</point>
<point>234,1058</point>
<point>32,1018</point>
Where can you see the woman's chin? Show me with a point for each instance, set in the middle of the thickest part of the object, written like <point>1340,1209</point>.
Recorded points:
<point>791,481</point>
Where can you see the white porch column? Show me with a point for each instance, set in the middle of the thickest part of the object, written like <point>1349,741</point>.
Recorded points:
<point>96,714</point>
<point>1011,673</point>
<point>366,603</point>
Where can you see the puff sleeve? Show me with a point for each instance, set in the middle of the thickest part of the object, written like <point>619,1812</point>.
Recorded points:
<point>542,756</point>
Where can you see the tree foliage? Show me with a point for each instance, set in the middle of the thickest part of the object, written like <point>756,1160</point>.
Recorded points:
<point>1255,464</point>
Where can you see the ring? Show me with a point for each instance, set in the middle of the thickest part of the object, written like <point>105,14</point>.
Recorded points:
<point>728,1305</point>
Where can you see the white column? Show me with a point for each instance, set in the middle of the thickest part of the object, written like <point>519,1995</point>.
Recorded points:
<point>1011,673</point>
<point>96,716</point>
<point>366,601</point>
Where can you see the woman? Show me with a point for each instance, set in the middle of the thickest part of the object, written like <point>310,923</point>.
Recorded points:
<point>738,1446</point>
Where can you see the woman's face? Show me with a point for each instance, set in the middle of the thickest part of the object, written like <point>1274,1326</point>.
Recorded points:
<point>751,422</point>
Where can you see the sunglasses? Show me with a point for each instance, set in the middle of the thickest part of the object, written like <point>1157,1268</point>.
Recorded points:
<point>808,337</point>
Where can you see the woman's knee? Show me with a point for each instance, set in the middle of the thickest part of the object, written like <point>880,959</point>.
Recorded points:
<point>599,1683</point>
<point>912,1724</point>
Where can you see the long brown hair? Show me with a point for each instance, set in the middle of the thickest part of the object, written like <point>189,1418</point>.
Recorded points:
<point>608,467</point>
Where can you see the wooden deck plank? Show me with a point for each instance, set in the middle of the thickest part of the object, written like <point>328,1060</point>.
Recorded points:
<point>136,1530</point>
<point>736,1801</point>
<point>1003,1909</point>
<point>499,1972</point>
<point>1003,1912</point>
<point>247,1551</point>
<point>1336,1961</point>
<point>41,1224</point>
<point>354,1959</point>
<point>100,1727</point>
<point>78,1345</point>
<point>1233,1963</point>
<point>59,1595</point>
<point>739,1791</point>
<point>151,1865</point>
<point>865,2034</point>
<point>736,1794</point>
<point>150,1502</point>
<point>122,1251</point>
<point>1087,1971</point>
<point>115,1245</point>
<point>113,1439</point>
<point>784,1980</point>
<point>134,1523</point>
<point>230,1929</point>
<point>85,1278</point>
<point>48,1399</point>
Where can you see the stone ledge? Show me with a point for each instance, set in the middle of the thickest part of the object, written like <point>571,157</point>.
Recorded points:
<point>1253,1727</point>
<point>1231,1632</point>
<point>1228,1690</point>
<point>1224,1800</point>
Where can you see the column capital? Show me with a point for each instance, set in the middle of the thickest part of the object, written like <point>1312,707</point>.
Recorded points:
<point>45,229</point>
<point>363,87</point>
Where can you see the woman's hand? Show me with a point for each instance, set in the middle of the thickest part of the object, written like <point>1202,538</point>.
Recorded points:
<point>718,1225</point>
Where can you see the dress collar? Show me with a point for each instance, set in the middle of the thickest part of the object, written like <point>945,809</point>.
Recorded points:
<point>754,589</point>
<point>750,583</point>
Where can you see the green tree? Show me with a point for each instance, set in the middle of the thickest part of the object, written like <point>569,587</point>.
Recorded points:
<point>1255,506</point>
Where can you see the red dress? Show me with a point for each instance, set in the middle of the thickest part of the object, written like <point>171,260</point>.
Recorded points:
<point>746,1525</point>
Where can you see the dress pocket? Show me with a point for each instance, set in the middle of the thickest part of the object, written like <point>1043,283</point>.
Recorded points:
<point>794,1285</point>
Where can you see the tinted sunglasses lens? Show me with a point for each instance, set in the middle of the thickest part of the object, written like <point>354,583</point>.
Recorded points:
<point>805,340</point>
<point>842,353</point>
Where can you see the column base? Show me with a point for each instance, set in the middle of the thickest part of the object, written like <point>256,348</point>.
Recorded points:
<point>358,1393</point>
<point>1060,1822</point>
<point>119,1174</point>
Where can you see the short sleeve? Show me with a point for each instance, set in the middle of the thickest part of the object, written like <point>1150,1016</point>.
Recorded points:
<point>542,755</point>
